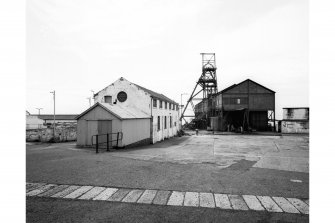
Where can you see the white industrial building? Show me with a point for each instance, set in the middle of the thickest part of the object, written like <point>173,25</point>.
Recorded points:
<point>295,120</point>
<point>143,116</point>
<point>33,121</point>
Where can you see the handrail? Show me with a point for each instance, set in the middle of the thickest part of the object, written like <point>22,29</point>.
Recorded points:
<point>118,138</point>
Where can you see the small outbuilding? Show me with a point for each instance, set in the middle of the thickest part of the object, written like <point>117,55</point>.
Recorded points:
<point>295,120</point>
<point>106,118</point>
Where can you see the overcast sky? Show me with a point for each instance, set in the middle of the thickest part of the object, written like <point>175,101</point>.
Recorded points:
<point>75,46</point>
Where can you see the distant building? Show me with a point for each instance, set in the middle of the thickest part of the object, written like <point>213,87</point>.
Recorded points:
<point>59,119</point>
<point>295,120</point>
<point>142,115</point>
<point>248,104</point>
<point>33,122</point>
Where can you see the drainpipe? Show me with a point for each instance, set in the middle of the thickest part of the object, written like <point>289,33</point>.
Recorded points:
<point>152,123</point>
<point>151,106</point>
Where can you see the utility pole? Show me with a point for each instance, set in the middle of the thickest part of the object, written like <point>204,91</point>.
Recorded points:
<point>39,110</point>
<point>54,96</point>
<point>89,99</point>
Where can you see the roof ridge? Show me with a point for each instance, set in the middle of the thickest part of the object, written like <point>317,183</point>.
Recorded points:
<point>155,94</point>
<point>151,92</point>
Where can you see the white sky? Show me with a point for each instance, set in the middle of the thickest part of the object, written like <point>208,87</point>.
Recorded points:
<point>75,46</point>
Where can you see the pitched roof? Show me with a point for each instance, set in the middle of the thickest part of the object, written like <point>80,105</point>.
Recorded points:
<point>57,117</point>
<point>228,88</point>
<point>152,93</point>
<point>119,111</point>
<point>156,95</point>
<point>234,85</point>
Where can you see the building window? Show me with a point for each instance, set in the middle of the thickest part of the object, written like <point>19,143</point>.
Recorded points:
<point>170,106</point>
<point>122,96</point>
<point>238,101</point>
<point>170,121</point>
<point>108,99</point>
<point>164,122</point>
<point>160,104</point>
<point>177,107</point>
<point>158,123</point>
<point>155,103</point>
<point>166,105</point>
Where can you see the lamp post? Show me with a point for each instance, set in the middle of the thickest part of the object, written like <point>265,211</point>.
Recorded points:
<point>181,107</point>
<point>39,110</point>
<point>54,97</point>
<point>93,96</point>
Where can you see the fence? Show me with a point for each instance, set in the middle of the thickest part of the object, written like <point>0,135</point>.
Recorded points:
<point>107,139</point>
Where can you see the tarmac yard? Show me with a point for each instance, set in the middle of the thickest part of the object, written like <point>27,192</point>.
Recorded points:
<point>188,167</point>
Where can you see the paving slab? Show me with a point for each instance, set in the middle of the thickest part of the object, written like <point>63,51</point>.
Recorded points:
<point>78,192</point>
<point>253,203</point>
<point>30,185</point>
<point>161,197</point>
<point>176,198</point>
<point>53,191</point>
<point>191,199</point>
<point>300,205</point>
<point>222,201</point>
<point>41,190</point>
<point>147,197</point>
<point>33,186</point>
<point>133,196</point>
<point>104,195</point>
<point>119,195</point>
<point>92,193</point>
<point>269,204</point>
<point>237,202</point>
<point>66,191</point>
<point>285,205</point>
<point>207,200</point>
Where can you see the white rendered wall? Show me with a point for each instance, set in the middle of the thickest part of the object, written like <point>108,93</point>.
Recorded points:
<point>142,100</point>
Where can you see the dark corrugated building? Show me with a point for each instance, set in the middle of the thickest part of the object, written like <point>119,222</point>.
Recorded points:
<point>248,105</point>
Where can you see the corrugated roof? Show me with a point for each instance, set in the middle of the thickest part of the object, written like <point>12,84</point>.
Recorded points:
<point>57,117</point>
<point>119,111</point>
<point>125,112</point>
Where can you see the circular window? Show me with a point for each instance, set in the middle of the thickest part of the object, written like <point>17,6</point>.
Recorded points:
<point>122,96</point>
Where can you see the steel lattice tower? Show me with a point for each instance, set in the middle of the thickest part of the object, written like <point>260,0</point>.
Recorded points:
<point>207,82</point>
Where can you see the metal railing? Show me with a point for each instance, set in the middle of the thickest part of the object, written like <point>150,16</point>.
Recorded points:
<point>107,139</point>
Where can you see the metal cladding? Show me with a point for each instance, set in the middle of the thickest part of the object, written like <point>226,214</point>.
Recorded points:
<point>246,106</point>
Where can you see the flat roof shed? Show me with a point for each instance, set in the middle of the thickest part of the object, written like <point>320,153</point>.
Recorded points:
<point>103,118</point>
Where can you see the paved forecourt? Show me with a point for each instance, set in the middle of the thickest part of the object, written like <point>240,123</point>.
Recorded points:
<point>174,198</point>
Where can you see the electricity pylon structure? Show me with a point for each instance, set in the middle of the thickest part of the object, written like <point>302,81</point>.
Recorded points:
<point>207,83</point>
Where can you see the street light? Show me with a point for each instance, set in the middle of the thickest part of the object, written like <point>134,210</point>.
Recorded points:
<point>93,95</point>
<point>181,107</point>
<point>39,110</point>
<point>54,96</point>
